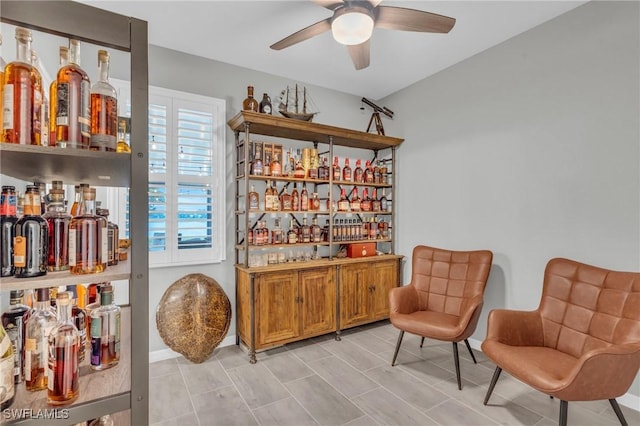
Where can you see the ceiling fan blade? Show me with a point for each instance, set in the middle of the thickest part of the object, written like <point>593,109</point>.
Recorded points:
<point>400,18</point>
<point>329,4</point>
<point>375,3</point>
<point>304,34</point>
<point>360,54</point>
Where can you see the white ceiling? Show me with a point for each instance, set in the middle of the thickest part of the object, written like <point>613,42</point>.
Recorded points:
<point>240,32</point>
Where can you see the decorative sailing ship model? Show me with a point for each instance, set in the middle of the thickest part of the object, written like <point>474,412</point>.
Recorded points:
<point>291,107</point>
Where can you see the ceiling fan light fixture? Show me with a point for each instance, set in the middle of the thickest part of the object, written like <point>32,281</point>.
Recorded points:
<point>352,25</point>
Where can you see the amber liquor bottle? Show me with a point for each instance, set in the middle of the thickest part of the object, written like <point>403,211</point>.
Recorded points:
<point>63,385</point>
<point>36,343</point>
<point>337,173</point>
<point>30,244</point>
<point>316,231</point>
<point>358,173</point>
<point>276,166</point>
<point>254,199</point>
<point>14,322</point>
<point>271,199</point>
<point>343,203</point>
<point>105,332</point>
<point>286,200</point>
<point>365,203</point>
<point>295,198</point>
<point>250,103</point>
<point>376,205</point>
<point>8,218</point>
<point>18,93</point>
<point>79,317</point>
<point>305,231</point>
<point>369,176</point>
<point>257,167</point>
<point>354,203</point>
<point>38,102</point>
<point>292,234</point>
<point>104,109</point>
<point>87,234</point>
<point>304,198</point>
<point>73,109</point>
<point>58,223</point>
<point>346,171</point>
<point>53,96</point>
<point>77,203</point>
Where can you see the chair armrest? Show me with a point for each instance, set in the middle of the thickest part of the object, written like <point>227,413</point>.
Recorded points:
<point>468,321</point>
<point>403,300</point>
<point>515,328</point>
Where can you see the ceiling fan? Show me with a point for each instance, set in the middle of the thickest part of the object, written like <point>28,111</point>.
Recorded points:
<point>352,24</point>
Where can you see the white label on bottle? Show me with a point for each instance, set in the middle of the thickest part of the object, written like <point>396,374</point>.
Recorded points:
<point>62,107</point>
<point>27,364</point>
<point>72,247</point>
<point>104,245</point>
<point>7,109</point>
<point>7,387</point>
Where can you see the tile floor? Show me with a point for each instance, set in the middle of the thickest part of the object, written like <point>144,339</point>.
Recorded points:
<point>325,382</point>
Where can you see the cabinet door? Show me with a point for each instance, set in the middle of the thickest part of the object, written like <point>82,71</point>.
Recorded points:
<point>355,290</point>
<point>276,307</point>
<point>384,278</point>
<point>318,301</point>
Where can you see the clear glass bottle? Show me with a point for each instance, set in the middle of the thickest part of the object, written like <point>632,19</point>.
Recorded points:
<point>250,103</point>
<point>104,108</point>
<point>38,101</point>
<point>105,332</point>
<point>79,317</point>
<point>8,219</point>
<point>267,165</point>
<point>6,370</point>
<point>77,203</point>
<point>63,385</point>
<point>36,343</point>
<point>18,93</point>
<point>92,305</point>
<point>122,145</point>
<point>113,238</point>
<point>254,199</point>
<point>87,234</point>
<point>58,223</point>
<point>277,236</point>
<point>73,109</point>
<point>31,241</point>
<point>265,104</point>
<point>53,96</point>
<point>14,322</point>
<point>257,168</point>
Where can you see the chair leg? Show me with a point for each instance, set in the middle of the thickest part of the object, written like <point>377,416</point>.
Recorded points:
<point>494,380</point>
<point>564,406</point>
<point>395,355</point>
<point>616,408</point>
<point>456,360</point>
<point>466,342</point>
<point>421,342</point>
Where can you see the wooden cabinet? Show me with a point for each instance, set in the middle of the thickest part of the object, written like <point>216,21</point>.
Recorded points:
<point>364,291</point>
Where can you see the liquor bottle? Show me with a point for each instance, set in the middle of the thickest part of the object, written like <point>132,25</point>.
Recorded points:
<point>53,96</point>
<point>373,228</point>
<point>58,223</point>
<point>277,236</point>
<point>295,198</point>
<point>18,93</point>
<point>286,200</point>
<point>365,203</point>
<point>113,238</point>
<point>299,171</point>
<point>267,165</point>
<point>30,244</point>
<point>276,166</point>
<point>290,165</point>
<point>87,238</point>
<point>265,104</point>
<point>6,370</point>
<point>358,173</point>
<point>316,231</point>
<point>314,203</point>
<point>105,332</point>
<point>323,169</point>
<point>383,229</point>
<point>42,189</point>
<point>384,174</point>
<point>384,203</point>
<point>257,168</point>
<point>304,198</point>
<point>104,109</point>
<point>63,385</point>
<point>354,203</point>
<point>77,202</point>
<point>79,317</point>
<point>102,421</point>
<point>312,172</point>
<point>346,171</point>
<point>94,303</point>
<point>38,101</point>
<point>337,173</point>
<point>122,145</point>
<point>36,342</point>
<point>377,177</point>
<point>376,205</point>
<point>14,322</point>
<point>368,173</point>
<point>292,234</point>
<point>250,103</point>
<point>254,199</point>
<point>8,218</point>
<point>271,200</point>
<point>343,203</point>
<point>306,231</point>
<point>73,110</point>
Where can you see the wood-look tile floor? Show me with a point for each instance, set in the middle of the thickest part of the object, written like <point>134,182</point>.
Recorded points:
<point>322,381</point>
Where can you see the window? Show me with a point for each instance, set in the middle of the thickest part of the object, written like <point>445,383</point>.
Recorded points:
<point>186,178</point>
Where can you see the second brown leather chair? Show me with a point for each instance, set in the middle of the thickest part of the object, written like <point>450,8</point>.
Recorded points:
<point>444,299</point>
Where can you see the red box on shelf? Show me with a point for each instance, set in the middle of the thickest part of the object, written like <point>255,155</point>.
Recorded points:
<point>361,250</point>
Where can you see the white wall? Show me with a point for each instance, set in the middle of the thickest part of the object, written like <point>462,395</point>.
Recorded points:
<point>529,149</point>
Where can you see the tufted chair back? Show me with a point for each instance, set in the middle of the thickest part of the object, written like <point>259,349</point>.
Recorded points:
<point>584,307</point>
<point>447,281</point>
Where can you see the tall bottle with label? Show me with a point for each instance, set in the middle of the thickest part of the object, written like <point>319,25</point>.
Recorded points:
<point>73,110</point>
<point>31,241</point>
<point>77,203</point>
<point>104,108</point>
<point>36,344</point>
<point>105,332</point>
<point>18,93</point>
<point>113,238</point>
<point>79,317</point>
<point>14,322</point>
<point>58,222</point>
<point>8,218</point>
<point>53,96</point>
<point>88,238</point>
<point>250,103</point>
<point>38,102</point>
<point>63,384</point>
<point>6,370</point>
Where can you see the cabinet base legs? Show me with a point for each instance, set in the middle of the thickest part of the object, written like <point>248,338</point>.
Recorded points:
<point>338,338</point>
<point>252,357</point>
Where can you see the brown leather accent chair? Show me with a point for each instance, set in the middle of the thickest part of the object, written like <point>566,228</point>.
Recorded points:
<point>444,298</point>
<point>581,344</point>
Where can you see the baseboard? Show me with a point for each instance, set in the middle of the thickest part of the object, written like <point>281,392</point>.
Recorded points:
<point>162,354</point>
<point>628,399</point>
